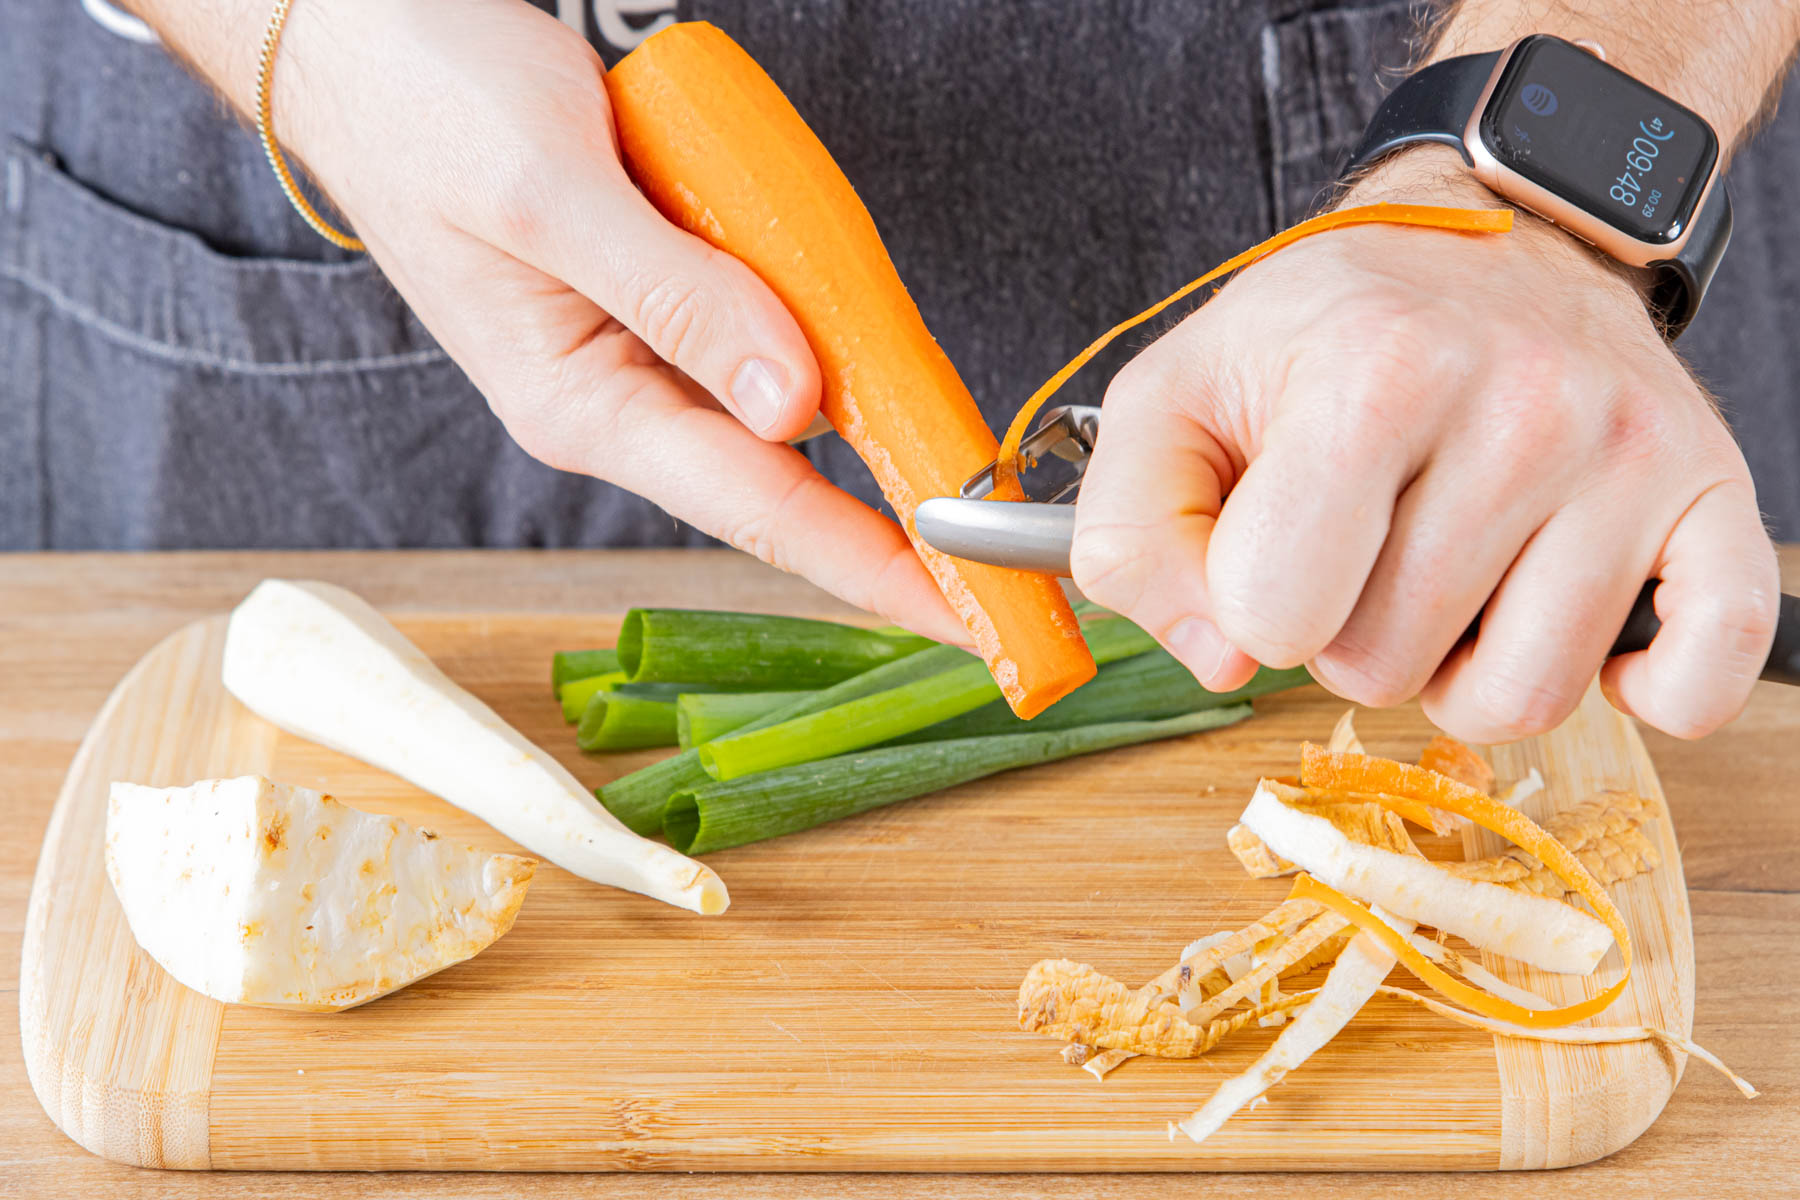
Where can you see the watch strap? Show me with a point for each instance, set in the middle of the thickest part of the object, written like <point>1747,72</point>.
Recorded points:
<point>1431,105</point>
<point>1435,104</point>
<point>1681,282</point>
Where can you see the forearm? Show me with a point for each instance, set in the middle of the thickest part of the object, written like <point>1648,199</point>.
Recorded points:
<point>1725,59</point>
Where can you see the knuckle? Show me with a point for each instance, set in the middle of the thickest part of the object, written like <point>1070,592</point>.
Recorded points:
<point>1744,620</point>
<point>580,428</point>
<point>1113,566</point>
<point>671,315</point>
<point>1638,429</point>
<point>1142,379</point>
<point>1688,725</point>
<point>1367,676</point>
<point>1379,363</point>
<point>1536,418</point>
<point>763,532</point>
<point>1271,631</point>
<point>1515,704</point>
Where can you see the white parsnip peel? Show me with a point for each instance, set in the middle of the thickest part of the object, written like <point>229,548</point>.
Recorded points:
<point>1545,933</point>
<point>1587,1035</point>
<point>1354,978</point>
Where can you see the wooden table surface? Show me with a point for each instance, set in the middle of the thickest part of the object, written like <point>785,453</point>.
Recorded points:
<point>70,626</point>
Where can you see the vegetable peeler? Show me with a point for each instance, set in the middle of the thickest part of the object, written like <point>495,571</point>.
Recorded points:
<point>1036,534</point>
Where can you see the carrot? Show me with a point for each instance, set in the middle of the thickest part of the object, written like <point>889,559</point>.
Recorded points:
<point>714,144</point>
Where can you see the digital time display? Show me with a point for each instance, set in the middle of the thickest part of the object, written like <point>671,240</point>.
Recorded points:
<point>1599,139</point>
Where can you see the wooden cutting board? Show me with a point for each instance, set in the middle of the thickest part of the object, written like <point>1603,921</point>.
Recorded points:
<point>855,1007</point>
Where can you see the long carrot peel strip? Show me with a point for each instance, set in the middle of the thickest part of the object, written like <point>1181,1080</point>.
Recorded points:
<point>1461,220</point>
<point>1308,888</point>
<point>1590,1036</point>
<point>1378,776</point>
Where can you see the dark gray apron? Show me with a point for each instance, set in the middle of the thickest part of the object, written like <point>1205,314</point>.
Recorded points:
<point>183,363</point>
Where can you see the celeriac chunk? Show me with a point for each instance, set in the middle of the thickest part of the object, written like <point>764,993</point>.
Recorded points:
<point>255,892</point>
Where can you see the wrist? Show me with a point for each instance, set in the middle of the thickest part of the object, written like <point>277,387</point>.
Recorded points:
<point>1436,174</point>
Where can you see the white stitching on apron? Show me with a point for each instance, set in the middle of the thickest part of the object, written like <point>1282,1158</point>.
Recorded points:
<point>81,314</point>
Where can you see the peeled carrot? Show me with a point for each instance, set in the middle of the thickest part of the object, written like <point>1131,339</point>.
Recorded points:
<point>718,149</point>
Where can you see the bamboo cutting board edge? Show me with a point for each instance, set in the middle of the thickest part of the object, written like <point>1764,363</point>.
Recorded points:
<point>128,1073</point>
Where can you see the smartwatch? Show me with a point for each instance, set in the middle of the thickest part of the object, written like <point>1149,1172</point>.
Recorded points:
<point>1552,127</point>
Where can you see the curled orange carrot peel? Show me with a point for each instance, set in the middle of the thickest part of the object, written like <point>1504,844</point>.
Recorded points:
<point>1461,220</point>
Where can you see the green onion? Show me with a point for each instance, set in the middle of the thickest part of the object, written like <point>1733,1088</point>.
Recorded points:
<point>1141,688</point>
<point>750,650</point>
<point>703,716</point>
<point>615,722</point>
<point>716,816</point>
<point>890,714</point>
<point>576,694</point>
<point>566,666</point>
<point>660,691</point>
<point>637,799</point>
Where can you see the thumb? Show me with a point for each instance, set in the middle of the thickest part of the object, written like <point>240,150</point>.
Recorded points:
<point>697,307</point>
<point>1149,500</point>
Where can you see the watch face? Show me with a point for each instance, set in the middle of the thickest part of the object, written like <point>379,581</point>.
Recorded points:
<point>1599,139</point>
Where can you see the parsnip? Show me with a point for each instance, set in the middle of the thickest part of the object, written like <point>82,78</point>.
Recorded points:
<point>1546,933</point>
<point>320,662</point>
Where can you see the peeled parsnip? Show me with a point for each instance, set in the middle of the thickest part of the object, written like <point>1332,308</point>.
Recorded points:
<point>321,663</point>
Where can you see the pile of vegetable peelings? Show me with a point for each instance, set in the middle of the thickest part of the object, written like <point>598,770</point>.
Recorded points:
<point>1363,897</point>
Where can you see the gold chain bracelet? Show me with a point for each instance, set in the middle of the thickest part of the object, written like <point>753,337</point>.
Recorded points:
<point>265,129</point>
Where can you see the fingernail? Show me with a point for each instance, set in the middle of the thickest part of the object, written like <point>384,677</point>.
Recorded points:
<point>759,392</point>
<point>1200,646</point>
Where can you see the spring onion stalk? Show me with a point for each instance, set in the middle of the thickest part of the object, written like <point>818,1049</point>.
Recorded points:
<point>637,799</point>
<point>576,693</point>
<point>1145,687</point>
<point>566,666</point>
<point>615,722</point>
<point>886,715</point>
<point>751,650</point>
<point>716,816</point>
<point>661,691</point>
<point>702,716</point>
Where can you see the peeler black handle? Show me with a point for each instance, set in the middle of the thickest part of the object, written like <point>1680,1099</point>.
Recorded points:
<point>1641,626</point>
